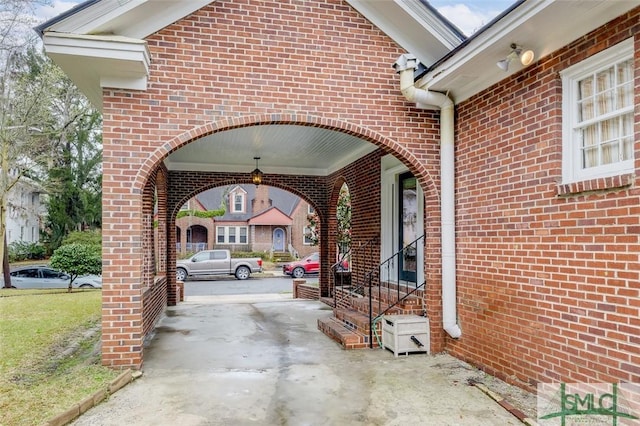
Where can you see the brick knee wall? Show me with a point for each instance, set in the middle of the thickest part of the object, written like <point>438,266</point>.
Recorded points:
<point>302,290</point>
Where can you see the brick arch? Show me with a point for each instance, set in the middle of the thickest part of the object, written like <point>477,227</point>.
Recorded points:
<point>388,145</point>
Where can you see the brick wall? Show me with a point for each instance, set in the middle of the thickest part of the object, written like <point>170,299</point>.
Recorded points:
<point>231,64</point>
<point>299,223</point>
<point>363,180</point>
<point>548,276</point>
<point>302,290</point>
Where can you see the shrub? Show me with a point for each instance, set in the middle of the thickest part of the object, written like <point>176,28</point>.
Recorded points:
<point>21,250</point>
<point>76,260</point>
<point>83,237</point>
<point>261,254</point>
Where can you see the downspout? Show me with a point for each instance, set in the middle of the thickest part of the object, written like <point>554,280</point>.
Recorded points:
<point>426,99</point>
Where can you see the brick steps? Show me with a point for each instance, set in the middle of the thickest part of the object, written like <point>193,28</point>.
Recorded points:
<point>349,325</point>
<point>327,301</point>
<point>282,258</point>
<point>353,319</point>
<point>348,339</point>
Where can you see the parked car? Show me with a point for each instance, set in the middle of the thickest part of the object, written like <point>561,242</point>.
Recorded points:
<point>217,262</point>
<point>46,277</point>
<point>308,265</point>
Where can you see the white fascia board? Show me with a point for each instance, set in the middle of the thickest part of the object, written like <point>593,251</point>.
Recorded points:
<point>96,62</point>
<point>86,20</point>
<point>431,23</point>
<point>543,26</point>
<point>132,18</point>
<point>413,27</point>
<point>106,47</point>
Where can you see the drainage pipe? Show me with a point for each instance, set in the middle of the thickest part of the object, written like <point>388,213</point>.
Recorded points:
<point>426,99</point>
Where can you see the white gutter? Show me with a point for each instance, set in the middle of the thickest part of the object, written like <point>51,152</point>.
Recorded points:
<point>426,99</point>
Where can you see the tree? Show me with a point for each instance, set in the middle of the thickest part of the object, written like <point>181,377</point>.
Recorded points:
<point>74,180</point>
<point>48,130</point>
<point>77,260</point>
<point>343,216</point>
<point>22,107</point>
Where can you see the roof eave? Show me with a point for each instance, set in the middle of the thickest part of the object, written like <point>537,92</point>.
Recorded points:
<point>542,26</point>
<point>97,62</point>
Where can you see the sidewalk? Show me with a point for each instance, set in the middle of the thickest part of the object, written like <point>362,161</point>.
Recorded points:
<point>263,362</point>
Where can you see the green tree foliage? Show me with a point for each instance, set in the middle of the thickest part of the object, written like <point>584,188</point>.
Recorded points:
<point>24,96</point>
<point>77,260</point>
<point>74,180</point>
<point>343,216</point>
<point>22,250</point>
<point>202,214</point>
<point>92,238</point>
<point>48,131</point>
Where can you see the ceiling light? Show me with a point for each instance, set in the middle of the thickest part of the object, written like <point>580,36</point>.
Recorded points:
<point>526,57</point>
<point>256,175</point>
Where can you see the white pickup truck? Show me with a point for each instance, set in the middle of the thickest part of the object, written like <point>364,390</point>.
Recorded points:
<point>217,262</point>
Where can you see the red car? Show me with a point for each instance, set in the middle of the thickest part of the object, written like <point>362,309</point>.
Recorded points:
<point>308,265</point>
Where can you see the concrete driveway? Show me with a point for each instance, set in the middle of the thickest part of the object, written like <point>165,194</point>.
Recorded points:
<point>262,361</point>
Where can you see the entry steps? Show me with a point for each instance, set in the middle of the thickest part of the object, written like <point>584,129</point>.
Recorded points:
<point>349,326</point>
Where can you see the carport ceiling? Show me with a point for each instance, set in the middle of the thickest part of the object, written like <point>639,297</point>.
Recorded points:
<point>283,149</point>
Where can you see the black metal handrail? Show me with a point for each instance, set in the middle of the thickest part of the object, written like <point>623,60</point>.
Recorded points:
<point>406,257</point>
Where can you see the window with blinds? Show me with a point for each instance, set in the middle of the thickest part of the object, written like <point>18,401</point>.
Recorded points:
<point>598,104</point>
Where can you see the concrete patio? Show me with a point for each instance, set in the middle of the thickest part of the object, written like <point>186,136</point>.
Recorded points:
<point>262,361</point>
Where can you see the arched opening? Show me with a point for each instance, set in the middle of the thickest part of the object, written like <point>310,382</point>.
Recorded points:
<point>319,188</point>
<point>197,237</point>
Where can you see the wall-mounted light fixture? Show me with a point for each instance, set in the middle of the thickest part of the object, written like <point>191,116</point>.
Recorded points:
<point>256,175</point>
<point>526,57</point>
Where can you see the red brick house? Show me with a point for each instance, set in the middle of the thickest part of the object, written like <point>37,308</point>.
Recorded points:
<point>522,179</point>
<point>257,218</point>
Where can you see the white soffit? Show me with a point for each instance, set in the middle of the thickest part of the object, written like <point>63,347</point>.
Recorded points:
<point>95,62</point>
<point>412,25</point>
<point>543,26</point>
<point>128,18</point>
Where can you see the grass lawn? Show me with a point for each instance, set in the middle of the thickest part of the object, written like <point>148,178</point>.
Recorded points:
<point>36,326</point>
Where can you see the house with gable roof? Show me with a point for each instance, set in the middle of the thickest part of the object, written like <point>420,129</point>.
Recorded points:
<point>521,240</point>
<point>256,219</point>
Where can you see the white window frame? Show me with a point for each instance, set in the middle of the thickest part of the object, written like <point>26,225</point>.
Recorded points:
<point>391,169</point>
<point>572,170</point>
<point>310,209</point>
<point>225,232</point>
<point>242,202</point>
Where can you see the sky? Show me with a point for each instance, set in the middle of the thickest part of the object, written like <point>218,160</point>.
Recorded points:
<point>467,15</point>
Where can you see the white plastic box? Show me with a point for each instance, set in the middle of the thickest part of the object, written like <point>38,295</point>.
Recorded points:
<point>398,330</point>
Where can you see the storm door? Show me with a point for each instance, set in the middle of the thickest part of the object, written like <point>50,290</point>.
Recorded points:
<point>408,227</point>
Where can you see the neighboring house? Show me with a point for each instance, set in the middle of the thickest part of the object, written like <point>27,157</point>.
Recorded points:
<point>522,179</point>
<point>25,212</point>
<point>193,233</point>
<point>257,218</point>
